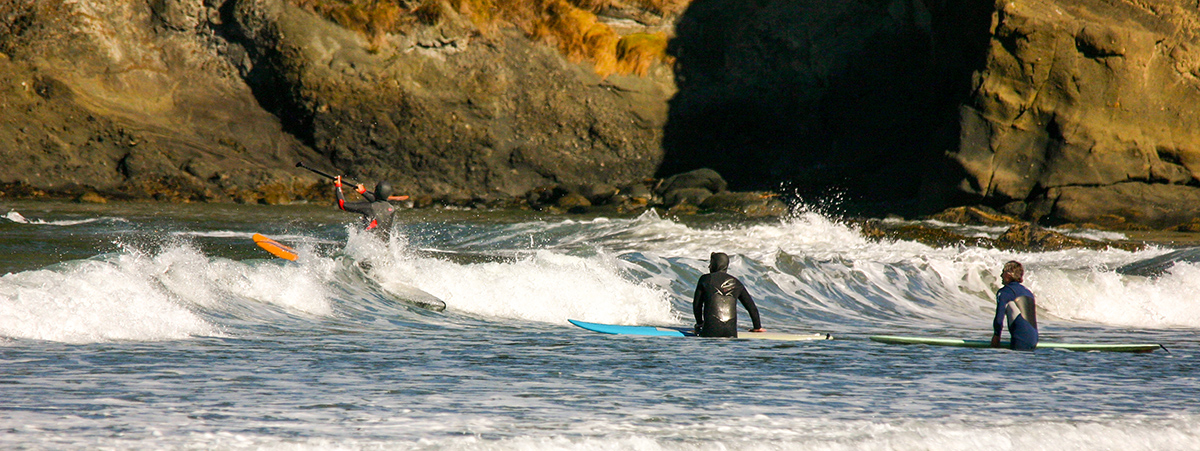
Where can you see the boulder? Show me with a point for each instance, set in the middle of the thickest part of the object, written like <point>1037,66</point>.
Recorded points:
<point>752,204</point>
<point>637,191</point>
<point>975,215</point>
<point>1019,237</point>
<point>704,178</point>
<point>1128,205</point>
<point>1030,237</point>
<point>91,197</point>
<point>573,202</point>
<point>690,196</point>
<point>598,193</point>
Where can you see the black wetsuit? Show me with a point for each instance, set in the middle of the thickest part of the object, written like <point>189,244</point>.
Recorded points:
<point>376,211</point>
<point>715,301</point>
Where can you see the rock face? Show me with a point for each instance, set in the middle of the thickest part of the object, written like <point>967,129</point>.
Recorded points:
<point>134,99</point>
<point>1088,111</point>
<point>445,108</point>
<point>1081,110</point>
<point>217,100</point>
<point>1056,110</point>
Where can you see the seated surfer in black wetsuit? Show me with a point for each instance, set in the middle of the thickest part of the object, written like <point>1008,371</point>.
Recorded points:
<point>715,301</point>
<point>376,210</point>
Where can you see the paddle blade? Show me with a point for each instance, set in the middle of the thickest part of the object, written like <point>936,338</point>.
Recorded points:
<point>274,247</point>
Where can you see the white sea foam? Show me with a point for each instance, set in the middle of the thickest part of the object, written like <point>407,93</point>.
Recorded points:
<point>133,295</point>
<point>17,217</point>
<point>93,301</point>
<point>804,266</point>
<point>808,233</point>
<point>378,384</point>
<point>215,283</point>
<point>840,271</point>
<point>544,286</point>
<point>1105,297</point>
<point>757,432</point>
<point>761,432</point>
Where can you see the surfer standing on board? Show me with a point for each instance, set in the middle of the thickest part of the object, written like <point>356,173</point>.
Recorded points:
<point>1015,306</point>
<point>716,298</point>
<point>376,211</point>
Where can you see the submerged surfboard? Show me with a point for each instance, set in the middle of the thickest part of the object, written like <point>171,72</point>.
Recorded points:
<point>1124,347</point>
<point>416,297</point>
<point>687,332</point>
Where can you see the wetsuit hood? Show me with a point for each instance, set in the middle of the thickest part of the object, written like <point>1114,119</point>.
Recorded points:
<point>718,261</point>
<point>383,190</point>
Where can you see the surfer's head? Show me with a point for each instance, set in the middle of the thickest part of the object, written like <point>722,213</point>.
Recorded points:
<point>1013,272</point>
<point>718,261</point>
<point>383,190</point>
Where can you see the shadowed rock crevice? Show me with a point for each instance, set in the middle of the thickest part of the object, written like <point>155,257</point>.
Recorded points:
<point>265,70</point>
<point>858,96</point>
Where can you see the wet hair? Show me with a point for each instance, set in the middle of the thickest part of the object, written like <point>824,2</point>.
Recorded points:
<point>718,261</point>
<point>383,190</point>
<point>1014,271</point>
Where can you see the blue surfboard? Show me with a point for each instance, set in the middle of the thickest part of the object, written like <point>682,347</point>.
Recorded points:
<point>633,330</point>
<point>687,332</point>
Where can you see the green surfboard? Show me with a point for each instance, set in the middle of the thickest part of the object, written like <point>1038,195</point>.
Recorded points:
<point>1118,347</point>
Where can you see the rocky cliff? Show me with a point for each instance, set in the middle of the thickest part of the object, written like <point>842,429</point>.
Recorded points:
<point>1079,111</point>
<point>1087,111</point>
<point>217,100</point>
<point>447,108</point>
<point>134,99</point>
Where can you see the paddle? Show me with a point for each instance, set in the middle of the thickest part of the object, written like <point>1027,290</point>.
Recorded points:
<point>300,164</point>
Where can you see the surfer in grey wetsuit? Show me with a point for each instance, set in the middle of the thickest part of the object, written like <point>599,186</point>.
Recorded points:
<point>716,298</point>
<point>1015,306</point>
<point>376,210</point>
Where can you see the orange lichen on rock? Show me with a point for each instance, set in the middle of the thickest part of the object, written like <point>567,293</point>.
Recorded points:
<point>570,25</point>
<point>579,35</point>
<point>637,52</point>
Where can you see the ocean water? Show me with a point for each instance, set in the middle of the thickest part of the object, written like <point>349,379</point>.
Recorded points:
<point>148,326</point>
